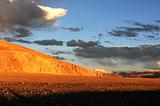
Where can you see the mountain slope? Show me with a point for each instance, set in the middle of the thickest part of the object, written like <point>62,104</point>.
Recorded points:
<point>15,58</point>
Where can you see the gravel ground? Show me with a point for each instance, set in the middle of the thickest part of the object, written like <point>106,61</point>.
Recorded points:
<point>37,89</point>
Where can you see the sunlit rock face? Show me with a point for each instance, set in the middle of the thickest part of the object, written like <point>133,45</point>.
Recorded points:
<point>15,58</point>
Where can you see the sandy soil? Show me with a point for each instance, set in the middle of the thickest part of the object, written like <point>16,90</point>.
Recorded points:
<point>42,89</point>
<point>52,83</point>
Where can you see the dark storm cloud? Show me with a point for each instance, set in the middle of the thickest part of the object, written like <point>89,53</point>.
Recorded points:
<point>151,36</point>
<point>61,52</point>
<point>82,43</point>
<point>19,12</point>
<point>76,29</point>
<point>9,39</point>
<point>158,21</point>
<point>21,32</point>
<point>23,41</point>
<point>135,30</point>
<point>145,56</point>
<point>145,52</point>
<point>122,33</point>
<point>39,42</point>
<point>145,27</point>
<point>49,42</point>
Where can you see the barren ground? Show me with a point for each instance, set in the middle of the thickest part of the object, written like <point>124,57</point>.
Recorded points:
<point>31,89</point>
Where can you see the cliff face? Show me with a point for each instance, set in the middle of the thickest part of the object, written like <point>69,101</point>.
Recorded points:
<point>15,58</point>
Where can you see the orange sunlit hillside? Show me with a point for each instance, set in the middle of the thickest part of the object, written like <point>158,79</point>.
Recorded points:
<point>21,59</point>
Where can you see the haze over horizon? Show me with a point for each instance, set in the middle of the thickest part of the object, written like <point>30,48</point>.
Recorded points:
<point>108,34</point>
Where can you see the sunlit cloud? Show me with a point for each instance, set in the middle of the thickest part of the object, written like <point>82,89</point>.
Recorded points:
<point>27,13</point>
<point>52,13</point>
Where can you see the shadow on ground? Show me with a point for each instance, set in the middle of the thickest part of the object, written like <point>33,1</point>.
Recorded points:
<point>86,99</point>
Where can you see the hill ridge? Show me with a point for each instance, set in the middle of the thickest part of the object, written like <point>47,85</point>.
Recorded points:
<point>16,58</point>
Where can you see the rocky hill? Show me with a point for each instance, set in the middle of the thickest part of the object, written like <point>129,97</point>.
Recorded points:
<point>16,58</point>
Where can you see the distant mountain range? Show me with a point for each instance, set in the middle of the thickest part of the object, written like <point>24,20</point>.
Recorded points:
<point>144,74</point>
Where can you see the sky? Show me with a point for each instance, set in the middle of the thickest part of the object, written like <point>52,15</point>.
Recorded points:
<point>100,17</point>
<point>111,33</point>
